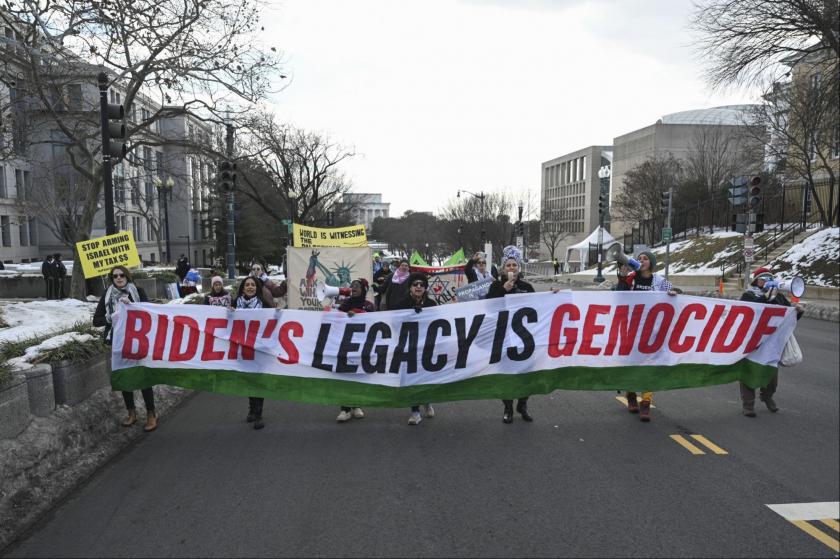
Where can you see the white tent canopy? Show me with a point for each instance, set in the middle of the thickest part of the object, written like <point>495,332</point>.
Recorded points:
<point>583,246</point>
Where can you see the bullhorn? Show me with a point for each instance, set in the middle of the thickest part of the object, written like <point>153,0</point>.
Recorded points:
<point>323,291</point>
<point>795,286</point>
<point>615,253</point>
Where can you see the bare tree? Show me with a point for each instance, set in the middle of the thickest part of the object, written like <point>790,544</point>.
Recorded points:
<point>492,216</point>
<point>200,57</point>
<point>554,228</point>
<point>718,153</point>
<point>745,40</point>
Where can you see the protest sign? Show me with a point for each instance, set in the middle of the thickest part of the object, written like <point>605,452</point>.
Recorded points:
<point>335,267</point>
<point>494,348</point>
<point>99,255</point>
<point>348,237</point>
<point>473,291</point>
<point>443,281</point>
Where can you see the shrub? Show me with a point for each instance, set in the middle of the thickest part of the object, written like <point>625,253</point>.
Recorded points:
<point>16,348</point>
<point>5,373</point>
<point>75,352</point>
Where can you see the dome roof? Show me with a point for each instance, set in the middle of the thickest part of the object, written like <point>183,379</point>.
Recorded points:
<point>726,114</point>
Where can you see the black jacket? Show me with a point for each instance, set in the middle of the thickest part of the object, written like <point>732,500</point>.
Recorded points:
<point>408,302</point>
<point>497,288</point>
<point>472,277</point>
<point>753,295</point>
<point>393,293</point>
<point>380,277</point>
<point>99,315</point>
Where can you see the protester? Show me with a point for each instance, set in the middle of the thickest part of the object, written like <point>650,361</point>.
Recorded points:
<point>507,283</point>
<point>123,290</point>
<point>476,269</point>
<point>379,279</point>
<point>417,298</point>
<point>190,283</point>
<point>249,297</point>
<point>395,287</point>
<point>377,262</point>
<point>764,289</point>
<point>356,303</point>
<point>645,279</point>
<point>270,289</point>
<point>48,271</point>
<point>218,295</point>
<point>182,267</point>
<point>556,266</point>
<point>60,275</point>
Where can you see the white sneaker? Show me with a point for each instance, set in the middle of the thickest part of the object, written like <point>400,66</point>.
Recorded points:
<point>344,416</point>
<point>358,413</point>
<point>429,411</point>
<point>415,418</point>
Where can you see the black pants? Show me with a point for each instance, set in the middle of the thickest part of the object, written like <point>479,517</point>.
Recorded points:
<point>255,406</point>
<point>748,394</point>
<point>522,403</point>
<point>148,399</point>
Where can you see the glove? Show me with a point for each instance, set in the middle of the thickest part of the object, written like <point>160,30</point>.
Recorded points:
<point>771,284</point>
<point>635,264</point>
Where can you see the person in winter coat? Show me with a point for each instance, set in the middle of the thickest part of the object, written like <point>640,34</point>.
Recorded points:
<point>417,298</point>
<point>270,289</point>
<point>764,289</point>
<point>218,295</point>
<point>182,267</point>
<point>476,269</point>
<point>379,279</point>
<point>249,297</point>
<point>123,290</point>
<point>356,303</point>
<point>395,287</point>
<point>510,282</point>
<point>60,274</point>
<point>645,279</point>
<point>556,265</point>
<point>48,271</point>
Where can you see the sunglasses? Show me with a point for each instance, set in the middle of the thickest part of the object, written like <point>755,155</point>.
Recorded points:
<point>482,262</point>
<point>418,284</point>
<point>115,276</point>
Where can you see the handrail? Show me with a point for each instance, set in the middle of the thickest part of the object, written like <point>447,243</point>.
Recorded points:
<point>779,237</point>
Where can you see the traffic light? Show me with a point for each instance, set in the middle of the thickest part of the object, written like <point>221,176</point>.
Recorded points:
<point>602,204</point>
<point>227,175</point>
<point>665,202</point>
<point>521,228</point>
<point>738,191</point>
<point>759,223</point>
<point>330,218</point>
<point>113,132</point>
<point>754,194</point>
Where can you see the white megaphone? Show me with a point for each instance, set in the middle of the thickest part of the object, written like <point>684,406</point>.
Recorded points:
<point>323,291</point>
<point>615,253</point>
<point>795,286</point>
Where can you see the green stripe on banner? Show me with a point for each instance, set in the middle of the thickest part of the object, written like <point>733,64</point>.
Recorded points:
<point>346,392</point>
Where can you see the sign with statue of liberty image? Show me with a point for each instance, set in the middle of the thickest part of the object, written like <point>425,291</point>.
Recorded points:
<point>311,268</point>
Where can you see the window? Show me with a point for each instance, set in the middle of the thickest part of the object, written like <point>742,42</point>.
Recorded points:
<point>835,145</point>
<point>33,231</point>
<point>150,192</point>
<point>19,185</point>
<point>119,190</point>
<point>74,97</point>
<point>5,230</point>
<point>4,193</point>
<point>23,231</point>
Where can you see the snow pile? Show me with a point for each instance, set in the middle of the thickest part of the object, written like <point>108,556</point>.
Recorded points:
<point>32,352</point>
<point>37,318</point>
<point>816,259</point>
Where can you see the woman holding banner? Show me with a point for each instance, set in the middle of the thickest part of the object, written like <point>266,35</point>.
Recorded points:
<point>417,299</point>
<point>123,290</point>
<point>510,282</point>
<point>395,287</point>
<point>356,303</point>
<point>249,297</point>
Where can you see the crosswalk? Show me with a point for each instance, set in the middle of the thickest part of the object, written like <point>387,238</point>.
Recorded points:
<point>818,520</point>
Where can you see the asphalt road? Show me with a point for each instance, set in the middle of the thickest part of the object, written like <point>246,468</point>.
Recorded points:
<point>586,479</point>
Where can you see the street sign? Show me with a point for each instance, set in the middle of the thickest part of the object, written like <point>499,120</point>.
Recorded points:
<point>667,234</point>
<point>749,250</point>
<point>520,243</point>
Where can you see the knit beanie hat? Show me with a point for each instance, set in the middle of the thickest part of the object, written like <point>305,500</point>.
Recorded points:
<point>418,276</point>
<point>511,252</point>
<point>651,257</point>
<point>217,279</point>
<point>363,283</point>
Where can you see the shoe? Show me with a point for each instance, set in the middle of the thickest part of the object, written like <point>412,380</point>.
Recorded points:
<point>258,423</point>
<point>507,417</point>
<point>644,410</point>
<point>632,403</point>
<point>344,416</point>
<point>429,411</point>
<point>130,419</point>
<point>748,409</point>
<point>250,417</point>
<point>358,413</point>
<point>771,405</point>
<point>415,418</point>
<point>151,422</point>
<point>523,411</point>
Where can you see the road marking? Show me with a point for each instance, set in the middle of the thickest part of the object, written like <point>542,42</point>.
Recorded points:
<point>623,400</point>
<point>807,511</point>
<point>831,523</point>
<point>687,445</point>
<point>708,444</point>
<point>818,534</point>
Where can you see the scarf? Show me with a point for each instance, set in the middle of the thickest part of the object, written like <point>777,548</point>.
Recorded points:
<point>482,276</point>
<point>252,303</point>
<point>113,296</point>
<point>399,277</point>
<point>222,300</point>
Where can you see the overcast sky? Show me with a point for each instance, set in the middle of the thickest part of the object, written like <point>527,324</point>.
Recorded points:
<point>445,94</point>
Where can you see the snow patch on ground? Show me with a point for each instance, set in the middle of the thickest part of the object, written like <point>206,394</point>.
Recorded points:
<point>817,258</point>
<point>37,318</point>
<point>32,352</point>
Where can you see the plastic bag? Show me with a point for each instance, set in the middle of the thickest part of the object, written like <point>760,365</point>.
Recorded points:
<point>792,354</point>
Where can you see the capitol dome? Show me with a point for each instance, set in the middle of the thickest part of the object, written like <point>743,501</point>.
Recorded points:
<point>724,115</point>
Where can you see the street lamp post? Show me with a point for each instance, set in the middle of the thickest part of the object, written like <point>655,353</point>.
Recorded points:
<point>481,197</point>
<point>164,192</point>
<point>603,174</point>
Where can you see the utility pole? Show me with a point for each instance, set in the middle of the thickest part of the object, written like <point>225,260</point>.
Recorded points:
<point>105,111</point>
<point>231,230</point>
<point>667,232</point>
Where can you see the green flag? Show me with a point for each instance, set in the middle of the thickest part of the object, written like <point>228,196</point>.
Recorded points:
<point>456,259</point>
<point>417,260</point>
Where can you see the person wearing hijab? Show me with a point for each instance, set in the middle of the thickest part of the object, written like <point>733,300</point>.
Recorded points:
<point>395,287</point>
<point>356,303</point>
<point>249,297</point>
<point>123,290</point>
<point>508,283</point>
<point>417,298</point>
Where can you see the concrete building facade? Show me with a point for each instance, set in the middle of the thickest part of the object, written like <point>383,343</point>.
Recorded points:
<point>364,207</point>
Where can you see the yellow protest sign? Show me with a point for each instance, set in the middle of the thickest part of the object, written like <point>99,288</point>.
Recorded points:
<point>99,255</point>
<point>347,237</point>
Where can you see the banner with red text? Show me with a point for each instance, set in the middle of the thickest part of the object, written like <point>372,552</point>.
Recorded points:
<point>496,348</point>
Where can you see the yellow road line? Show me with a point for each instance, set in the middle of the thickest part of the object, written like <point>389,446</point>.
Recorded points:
<point>818,534</point>
<point>831,523</point>
<point>623,400</point>
<point>687,445</point>
<point>708,444</point>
